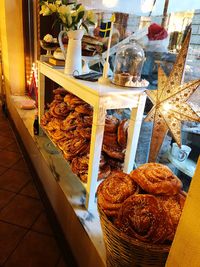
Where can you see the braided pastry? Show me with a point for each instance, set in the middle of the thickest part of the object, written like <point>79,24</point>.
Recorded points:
<point>144,218</point>
<point>156,178</point>
<point>113,191</point>
<point>122,133</point>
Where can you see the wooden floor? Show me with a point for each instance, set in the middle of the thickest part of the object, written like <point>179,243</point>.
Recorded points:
<point>26,236</point>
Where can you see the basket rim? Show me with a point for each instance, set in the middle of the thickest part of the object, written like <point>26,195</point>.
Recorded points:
<point>133,241</point>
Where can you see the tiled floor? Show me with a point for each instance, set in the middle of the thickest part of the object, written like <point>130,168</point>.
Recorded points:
<point>26,237</point>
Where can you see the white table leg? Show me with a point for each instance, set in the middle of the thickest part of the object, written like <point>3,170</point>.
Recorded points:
<point>95,153</point>
<point>133,134</point>
<point>41,97</point>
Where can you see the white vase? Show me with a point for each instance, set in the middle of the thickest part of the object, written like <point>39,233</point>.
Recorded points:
<point>73,57</point>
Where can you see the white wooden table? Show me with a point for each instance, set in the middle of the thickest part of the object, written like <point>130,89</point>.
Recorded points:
<point>102,98</point>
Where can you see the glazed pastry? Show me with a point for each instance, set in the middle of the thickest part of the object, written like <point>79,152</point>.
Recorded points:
<point>111,124</point>
<point>113,191</point>
<point>114,151</point>
<point>122,133</point>
<point>173,206</point>
<point>143,217</point>
<point>156,178</point>
<point>84,109</point>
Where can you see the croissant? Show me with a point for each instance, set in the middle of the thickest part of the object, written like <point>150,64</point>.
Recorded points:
<point>112,192</point>
<point>156,178</point>
<point>122,133</point>
<point>143,217</point>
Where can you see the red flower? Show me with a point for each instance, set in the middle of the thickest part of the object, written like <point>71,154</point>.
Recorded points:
<point>156,32</point>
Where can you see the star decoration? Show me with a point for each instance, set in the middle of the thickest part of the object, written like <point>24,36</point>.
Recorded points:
<point>170,103</point>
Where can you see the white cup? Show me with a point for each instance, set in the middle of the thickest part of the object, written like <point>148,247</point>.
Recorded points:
<point>182,153</point>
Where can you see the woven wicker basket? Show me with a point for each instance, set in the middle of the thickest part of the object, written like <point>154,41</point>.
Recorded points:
<point>123,251</point>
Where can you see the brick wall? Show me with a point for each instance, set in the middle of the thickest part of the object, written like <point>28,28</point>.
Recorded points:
<point>195,38</point>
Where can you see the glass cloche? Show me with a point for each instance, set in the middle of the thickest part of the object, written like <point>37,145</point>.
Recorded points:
<point>128,64</point>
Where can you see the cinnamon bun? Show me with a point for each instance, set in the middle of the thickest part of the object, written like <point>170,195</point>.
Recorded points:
<point>113,191</point>
<point>173,206</point>
<point>156,178</point>
<point>143,217</point>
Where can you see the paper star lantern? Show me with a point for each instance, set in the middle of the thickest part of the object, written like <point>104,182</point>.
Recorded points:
<point>170,106</point>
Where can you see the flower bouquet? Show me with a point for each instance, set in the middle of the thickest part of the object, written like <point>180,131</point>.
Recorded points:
<point>71,16</point>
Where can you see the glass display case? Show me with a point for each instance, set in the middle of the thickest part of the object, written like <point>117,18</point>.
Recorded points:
<point>128,64</point>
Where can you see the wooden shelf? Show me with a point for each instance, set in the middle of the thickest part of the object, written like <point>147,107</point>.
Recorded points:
<point>102,98</point>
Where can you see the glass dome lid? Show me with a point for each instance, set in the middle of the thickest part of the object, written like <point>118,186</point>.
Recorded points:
<point>128,64</point>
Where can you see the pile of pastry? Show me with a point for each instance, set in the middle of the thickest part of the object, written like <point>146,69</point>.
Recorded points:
<point>146,204</point>
<point>69,123</point>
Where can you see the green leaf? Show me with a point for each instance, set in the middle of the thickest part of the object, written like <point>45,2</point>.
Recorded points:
<point>80,16</point>
<point>90,22</point>
<point>77,6</point>
<point>85,26</point>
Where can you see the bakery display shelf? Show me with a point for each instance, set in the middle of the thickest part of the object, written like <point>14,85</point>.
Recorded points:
<point>101,98</point>
<point>60,152</point>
